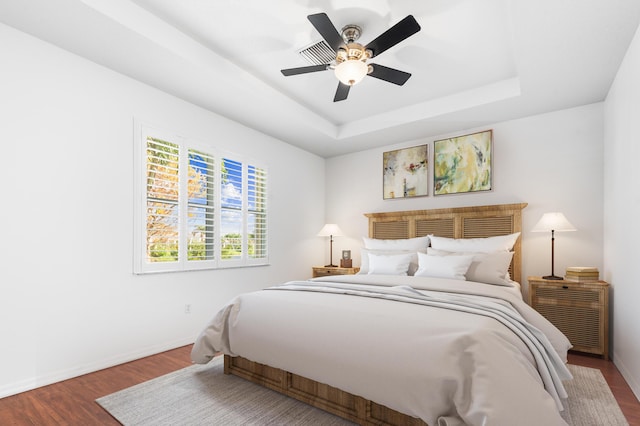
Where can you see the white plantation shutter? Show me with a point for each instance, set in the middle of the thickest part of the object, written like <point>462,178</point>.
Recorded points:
<point>162,190</point>
<point>196,210</point>
<point>257,212</point>
<point>201,207</point>
<point>231,213</point>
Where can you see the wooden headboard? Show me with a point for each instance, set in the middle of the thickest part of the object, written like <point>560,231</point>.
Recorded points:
<point>458,222</point>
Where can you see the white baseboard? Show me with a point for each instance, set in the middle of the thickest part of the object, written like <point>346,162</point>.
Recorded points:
<point>628,377</point>
<point>58,376</point>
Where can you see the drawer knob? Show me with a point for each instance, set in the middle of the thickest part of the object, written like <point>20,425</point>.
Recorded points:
<point>565,286</point>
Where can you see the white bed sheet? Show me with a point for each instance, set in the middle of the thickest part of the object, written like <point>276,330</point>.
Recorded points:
<point>433,363</point>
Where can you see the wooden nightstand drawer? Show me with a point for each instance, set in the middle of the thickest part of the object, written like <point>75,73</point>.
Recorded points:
<point>579,310</point>
<point>568,295</point>
<point>324,271</point>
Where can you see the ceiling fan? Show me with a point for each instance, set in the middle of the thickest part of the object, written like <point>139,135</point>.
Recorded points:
<point>350,64</point>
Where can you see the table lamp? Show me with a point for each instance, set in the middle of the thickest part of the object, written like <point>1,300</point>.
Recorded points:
<point>554,221</point>
<point>330,230</point>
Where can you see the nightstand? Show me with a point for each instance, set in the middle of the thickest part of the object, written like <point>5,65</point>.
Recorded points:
<point>324,271</point>
<point>579,309</point>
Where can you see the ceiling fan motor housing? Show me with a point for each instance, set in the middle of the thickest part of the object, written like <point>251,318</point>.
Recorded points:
<point>350,33</point>
<point>352,52</point>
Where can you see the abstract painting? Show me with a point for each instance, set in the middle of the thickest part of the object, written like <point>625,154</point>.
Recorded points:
<point>405,172</point>
<point>462,164</point>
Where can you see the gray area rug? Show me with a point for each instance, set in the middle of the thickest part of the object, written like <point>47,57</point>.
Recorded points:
<point>204,395</point>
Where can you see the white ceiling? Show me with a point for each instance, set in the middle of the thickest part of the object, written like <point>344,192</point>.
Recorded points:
<point>475,62</point>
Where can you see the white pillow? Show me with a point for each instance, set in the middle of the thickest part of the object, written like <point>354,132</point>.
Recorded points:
<point>453,267</point>
<point>475,245</point>
<point>389,264</point>
<point>364,259</point>
<point>488,268</point>
<point>413,244</point>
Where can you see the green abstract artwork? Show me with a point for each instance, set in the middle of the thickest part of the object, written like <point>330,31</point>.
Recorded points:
<point>462,164</point>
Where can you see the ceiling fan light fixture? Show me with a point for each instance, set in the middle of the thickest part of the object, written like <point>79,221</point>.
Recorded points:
<point>351,71</point>
<point>351,63</point>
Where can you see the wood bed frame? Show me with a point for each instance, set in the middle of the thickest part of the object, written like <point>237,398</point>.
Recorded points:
<point>462,222</point>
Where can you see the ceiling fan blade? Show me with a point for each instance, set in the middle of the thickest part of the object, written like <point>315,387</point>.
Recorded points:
<point>342,92</point>
<point>327,30</point>
<point>304,70</point>
<point>389,74</point>
<point>394,35</point>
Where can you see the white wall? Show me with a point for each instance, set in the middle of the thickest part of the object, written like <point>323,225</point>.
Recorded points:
<point>69,302</point>
<point>553,162</point>
<point>622,210</point>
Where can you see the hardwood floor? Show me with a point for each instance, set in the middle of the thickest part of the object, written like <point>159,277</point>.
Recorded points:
<point>72,402</point>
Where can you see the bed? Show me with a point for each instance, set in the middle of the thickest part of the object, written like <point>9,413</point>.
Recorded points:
<point>424,347</point>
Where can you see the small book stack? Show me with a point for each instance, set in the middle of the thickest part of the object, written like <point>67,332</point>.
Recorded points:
<point>582,274</point>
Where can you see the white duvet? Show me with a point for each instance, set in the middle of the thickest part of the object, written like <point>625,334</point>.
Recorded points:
<point>449,352</point>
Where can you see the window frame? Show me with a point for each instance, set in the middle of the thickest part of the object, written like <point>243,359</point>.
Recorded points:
<point>186,146</point>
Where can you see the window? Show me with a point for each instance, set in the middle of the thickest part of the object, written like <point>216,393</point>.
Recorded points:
<point>196,209</point>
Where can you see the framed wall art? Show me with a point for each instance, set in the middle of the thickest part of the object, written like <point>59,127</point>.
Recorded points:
<point>463,164</point>
<point>405,172</point>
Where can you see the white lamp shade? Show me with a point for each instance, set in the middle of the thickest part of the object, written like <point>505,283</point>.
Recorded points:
<point>554,221</point>
<point>330,230</point>
<point>351,72</point>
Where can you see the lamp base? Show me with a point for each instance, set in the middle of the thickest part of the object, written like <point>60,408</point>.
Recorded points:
<point>330,266</point>
<point>552,277</point>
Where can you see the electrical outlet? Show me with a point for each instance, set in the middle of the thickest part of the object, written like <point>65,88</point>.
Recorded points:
<point>187,308</point>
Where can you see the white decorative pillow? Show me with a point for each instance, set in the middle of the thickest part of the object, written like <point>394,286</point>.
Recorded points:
<point>489,268</point>
<point>475,245</point>
<point>389,264</point>
<point>453,267</point>
<point>413,244</point>
<point>364,259</point>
